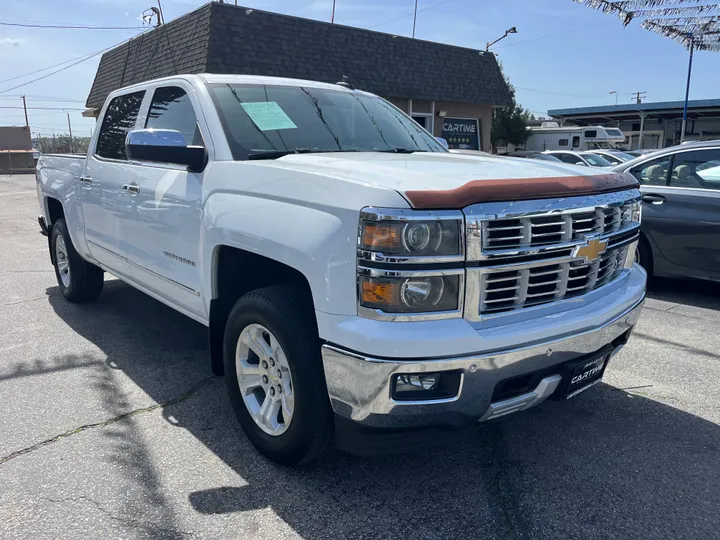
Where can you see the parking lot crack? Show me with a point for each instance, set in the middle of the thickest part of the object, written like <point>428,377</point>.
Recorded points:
<point>182,397</point>
<point>126,520</point>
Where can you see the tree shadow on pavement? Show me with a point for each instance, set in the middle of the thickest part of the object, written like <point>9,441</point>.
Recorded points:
<point>610,464</point>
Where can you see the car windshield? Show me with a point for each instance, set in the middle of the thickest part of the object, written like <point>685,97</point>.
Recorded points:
<point>623,156</point>
<point>595,160</point>
<point>269,121</point>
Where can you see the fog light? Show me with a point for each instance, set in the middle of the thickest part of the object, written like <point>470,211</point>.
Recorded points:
<point>426,386</point>
<point>410,383</point>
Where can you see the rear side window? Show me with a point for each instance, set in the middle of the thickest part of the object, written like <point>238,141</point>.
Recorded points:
<point>591,133</point>
<point>571,159</point>
<point>697,169</point>
<point>563,142</point>
<point>171,108</point>
<point>653,172</point>
<point>119,118</point>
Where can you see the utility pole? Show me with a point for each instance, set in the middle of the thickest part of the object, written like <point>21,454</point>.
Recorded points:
<point>161,16</point>
<point>687,91</point>
<point>70,130</point>
<point>415,18</point>
<point>332,17</point>
<point>27,124</point>
<point>639,96</point>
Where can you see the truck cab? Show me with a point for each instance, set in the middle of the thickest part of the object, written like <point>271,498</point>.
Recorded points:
<point>359,282</point>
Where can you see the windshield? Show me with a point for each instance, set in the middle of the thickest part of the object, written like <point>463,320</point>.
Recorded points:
<point>623,156</point>
<point>596,161</point>
<point>266,121</point>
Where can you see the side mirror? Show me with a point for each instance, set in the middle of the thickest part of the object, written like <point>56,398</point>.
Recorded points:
<point>581,164</point>
<point>164,146</point>
<point>442,141</point>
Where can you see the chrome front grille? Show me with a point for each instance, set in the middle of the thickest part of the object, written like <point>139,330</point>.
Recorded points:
<point>505,290</point>
<point>553,228</point>
<point>531,253</point>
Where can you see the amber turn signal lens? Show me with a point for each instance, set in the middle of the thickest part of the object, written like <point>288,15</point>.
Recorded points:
<point>379,236</point>
<point>379,293</point>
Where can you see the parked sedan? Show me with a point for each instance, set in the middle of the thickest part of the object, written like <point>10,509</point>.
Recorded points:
<point>680,189</point>
<point>584,159</point>
<point>614,156</point>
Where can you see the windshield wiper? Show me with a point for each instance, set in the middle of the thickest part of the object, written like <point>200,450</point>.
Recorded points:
<point>274,154</point>
<point>398,150</point>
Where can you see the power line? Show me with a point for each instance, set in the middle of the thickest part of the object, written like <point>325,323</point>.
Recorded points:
<point>43,69</point>
<point>548,36</point>
<point>411,14</point>
<point>68,66</point>
<point>13,97</point>
<point>556,93</point>
<point>70,26</point>
<point>42,108</point>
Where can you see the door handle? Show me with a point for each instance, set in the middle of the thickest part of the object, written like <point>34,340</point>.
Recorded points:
<point>86,179</point>
<point>653,199</point>
<point>131,188</point>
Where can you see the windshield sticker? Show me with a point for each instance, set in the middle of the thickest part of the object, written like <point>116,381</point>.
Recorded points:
<point>268,116</point>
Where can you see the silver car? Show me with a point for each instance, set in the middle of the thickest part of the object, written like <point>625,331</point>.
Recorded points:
<point>680,189</point>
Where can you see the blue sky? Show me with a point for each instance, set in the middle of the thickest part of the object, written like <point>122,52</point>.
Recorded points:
<point>564,54</point>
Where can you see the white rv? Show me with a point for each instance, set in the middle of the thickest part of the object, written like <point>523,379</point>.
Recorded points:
<point>550,136</point>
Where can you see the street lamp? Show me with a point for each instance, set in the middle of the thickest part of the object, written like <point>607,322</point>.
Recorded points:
<point>616,95</point>
<point>512,30</point>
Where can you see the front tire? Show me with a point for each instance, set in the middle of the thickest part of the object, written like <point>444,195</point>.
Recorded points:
<point>274,375</point>
<point>79,280</point>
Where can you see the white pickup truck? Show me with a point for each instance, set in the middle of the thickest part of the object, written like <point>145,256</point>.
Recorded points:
<point>360,283</point>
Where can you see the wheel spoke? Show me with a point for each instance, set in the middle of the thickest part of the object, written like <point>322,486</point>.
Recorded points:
<point>255,341</point>
<point>62,265</point>
<point>268,413</point>
<point>288,406</point>
<point>248,383</point>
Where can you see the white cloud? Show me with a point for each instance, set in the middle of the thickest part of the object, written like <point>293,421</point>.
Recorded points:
<point>9,41</point>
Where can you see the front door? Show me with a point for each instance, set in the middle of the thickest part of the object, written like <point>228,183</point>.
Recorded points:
<point>100,189</point>
<point>162,229</point>
<point>681,207</point>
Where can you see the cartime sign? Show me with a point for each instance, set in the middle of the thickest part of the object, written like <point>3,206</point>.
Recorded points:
<point>462,133</point>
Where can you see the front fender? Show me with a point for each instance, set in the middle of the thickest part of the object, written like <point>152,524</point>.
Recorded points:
<point>318,242</point>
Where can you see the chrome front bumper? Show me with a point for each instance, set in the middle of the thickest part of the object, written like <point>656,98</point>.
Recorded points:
<point>359,386</point>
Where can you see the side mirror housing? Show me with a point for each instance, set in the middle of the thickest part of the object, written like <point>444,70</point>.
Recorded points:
<point>581,164</point>
<point>442,141</point>
<point>164,146</point>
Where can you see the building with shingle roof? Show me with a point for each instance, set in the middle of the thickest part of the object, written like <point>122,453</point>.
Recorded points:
<point>443,87</point>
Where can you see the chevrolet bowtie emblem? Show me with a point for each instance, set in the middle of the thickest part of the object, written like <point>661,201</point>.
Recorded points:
<point>591,251</point>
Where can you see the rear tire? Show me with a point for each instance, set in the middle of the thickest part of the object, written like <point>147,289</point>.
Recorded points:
<point>79,280</point>
<point>282,318</point>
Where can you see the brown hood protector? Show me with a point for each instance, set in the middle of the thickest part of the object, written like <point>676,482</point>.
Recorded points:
<point>521,189</point>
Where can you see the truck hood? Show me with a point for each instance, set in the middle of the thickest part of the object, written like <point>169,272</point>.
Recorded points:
<point>440,180</point>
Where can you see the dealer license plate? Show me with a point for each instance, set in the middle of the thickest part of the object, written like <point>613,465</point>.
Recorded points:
<point>585,375</point>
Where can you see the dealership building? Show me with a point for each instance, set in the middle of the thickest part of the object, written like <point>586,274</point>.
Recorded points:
<point>449,90</point>
<point>650,125</point>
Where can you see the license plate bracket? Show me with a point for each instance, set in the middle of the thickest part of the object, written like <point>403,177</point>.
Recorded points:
<point>583,374</point>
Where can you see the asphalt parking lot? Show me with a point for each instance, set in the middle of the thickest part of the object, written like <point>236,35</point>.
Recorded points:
<point>112,426</point>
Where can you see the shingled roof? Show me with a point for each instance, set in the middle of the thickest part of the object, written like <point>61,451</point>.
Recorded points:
<point>222,38</point>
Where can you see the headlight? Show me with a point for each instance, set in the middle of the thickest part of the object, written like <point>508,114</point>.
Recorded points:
<point>410,264</point>
<point>410,235</point>
<point>409,292</point>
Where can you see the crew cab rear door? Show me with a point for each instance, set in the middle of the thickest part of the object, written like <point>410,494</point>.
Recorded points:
<point>100,189</point>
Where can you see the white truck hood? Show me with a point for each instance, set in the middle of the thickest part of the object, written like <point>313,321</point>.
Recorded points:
<point>428,173</point>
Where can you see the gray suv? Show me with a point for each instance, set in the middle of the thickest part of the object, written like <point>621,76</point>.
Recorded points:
<point>680,189</point>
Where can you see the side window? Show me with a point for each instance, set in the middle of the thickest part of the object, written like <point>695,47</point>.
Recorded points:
<point>697,169</point>
<point>120,117</point>
<point>591,133</point>
<point>570,158</point>
<point>576,141</point>
<point>563,142</point>
<point>171,109</point>
<point>652,173</point>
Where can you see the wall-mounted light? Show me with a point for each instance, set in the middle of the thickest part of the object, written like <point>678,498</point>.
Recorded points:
<point>442,113</point>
